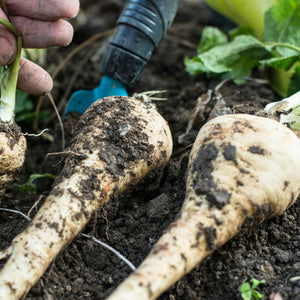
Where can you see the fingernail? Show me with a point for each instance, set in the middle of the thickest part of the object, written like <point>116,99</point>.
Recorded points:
<point>6,53</point>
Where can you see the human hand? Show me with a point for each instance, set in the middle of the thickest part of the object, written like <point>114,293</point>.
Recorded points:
<point>41,25</point>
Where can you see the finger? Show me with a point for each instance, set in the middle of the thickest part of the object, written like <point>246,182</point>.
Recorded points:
<point>43,9</point>
<point>33,79</point>
<point>8,44</point>
<point>43,34</point>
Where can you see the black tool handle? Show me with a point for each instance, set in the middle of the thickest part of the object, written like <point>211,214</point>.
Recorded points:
<point>139,30</point>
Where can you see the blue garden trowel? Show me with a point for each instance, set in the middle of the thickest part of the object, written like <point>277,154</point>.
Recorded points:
<point>139,30</point>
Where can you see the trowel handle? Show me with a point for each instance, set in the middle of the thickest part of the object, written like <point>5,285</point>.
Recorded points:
<point>139,30</point>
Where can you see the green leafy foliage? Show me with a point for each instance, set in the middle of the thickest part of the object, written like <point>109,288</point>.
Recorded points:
<point>30,187</point>
<point>295,81</point>
<point>249,292</point>
<point>236,56</point>
<point>282,25</point>
<point>24,111</point>
<point>241,30</point>
<point>284,63</point>
<point>211,37</point>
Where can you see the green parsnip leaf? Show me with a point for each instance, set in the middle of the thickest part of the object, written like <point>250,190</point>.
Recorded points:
<point>282,24</point>
<point>211,37</point>
<point>193,66</point>
<point>24,111</point>
<point>279,47</point>
<point>295,81</point>
<point>23,102</point>
<point>241,30</point>
<point>237,57</point>
<point>284,63</point>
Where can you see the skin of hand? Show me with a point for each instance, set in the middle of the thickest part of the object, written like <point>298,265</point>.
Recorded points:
<point>42,24</point>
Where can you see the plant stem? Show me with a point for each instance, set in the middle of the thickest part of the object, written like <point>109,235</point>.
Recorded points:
<point>10,78</point>
<point>3,7</point>
<point>279,44</point>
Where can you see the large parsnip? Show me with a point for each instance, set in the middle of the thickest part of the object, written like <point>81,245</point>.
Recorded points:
<point>242,170</point>
<point>117,142</point>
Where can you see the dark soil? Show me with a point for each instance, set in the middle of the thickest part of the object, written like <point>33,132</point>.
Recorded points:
<point>132,222</point>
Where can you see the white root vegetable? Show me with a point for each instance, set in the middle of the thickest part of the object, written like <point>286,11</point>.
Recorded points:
<point>242,170</point>
<point>12,153</point>
<point>12,142</point>
<point>117,142</point>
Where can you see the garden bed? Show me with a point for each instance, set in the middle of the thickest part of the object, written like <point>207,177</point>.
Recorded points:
<point>132,222</point>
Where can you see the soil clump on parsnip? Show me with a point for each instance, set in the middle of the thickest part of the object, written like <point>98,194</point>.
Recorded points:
<point>12,131</point>
<point>12,153</point>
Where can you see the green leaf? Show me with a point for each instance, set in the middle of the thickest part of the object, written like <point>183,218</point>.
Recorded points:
<point>30,116</point>
<point>249,292</point>
<point>247,295</point>
<point>211,37</point>
<point>282,25</point>
<point>284,63</point>
<point>256,295</point>
<point>24,110</point>
<point>280,48</point>
<point>30,187</point>
<point>193,66</point>
<point>241,30</point>
<point>294,82</point>
<point>245,290</point>
<point>237,57</point>
<point>256,283</point>
<point>245,287</point>
<point>23,102</point>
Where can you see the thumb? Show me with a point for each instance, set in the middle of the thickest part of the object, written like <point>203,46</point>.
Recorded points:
<point>7,43</point>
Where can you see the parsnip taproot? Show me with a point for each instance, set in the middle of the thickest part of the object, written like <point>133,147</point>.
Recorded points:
<point>242,170</point>
<point>117,142</point>
<point>12,142</point>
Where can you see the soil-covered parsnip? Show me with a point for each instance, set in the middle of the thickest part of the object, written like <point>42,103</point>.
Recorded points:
<point>242,170</point>
<point>12,142</point>
<point>116,143</point>
<point>12,153</point>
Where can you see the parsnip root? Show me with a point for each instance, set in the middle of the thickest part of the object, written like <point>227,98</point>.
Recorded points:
<point>12,153</point>
<point>242,170</point>
<point>117,142</point>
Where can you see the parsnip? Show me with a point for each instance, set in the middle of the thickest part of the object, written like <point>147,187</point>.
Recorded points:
<point>242,170</point>
<point>12,142</point>
<point>12,153</point>
<point>117,142</point>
